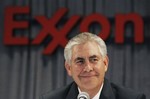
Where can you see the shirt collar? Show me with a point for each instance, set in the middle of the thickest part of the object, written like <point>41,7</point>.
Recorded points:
<point>97,95</point>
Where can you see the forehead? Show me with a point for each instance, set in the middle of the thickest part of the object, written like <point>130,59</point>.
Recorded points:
<point>86,50</point>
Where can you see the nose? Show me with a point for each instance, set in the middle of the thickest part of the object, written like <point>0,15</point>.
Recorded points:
<point>88,67</point>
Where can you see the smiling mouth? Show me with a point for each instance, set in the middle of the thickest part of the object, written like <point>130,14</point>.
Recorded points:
<point>89,76</point>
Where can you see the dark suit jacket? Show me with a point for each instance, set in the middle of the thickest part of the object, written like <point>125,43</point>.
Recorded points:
<point>109,91</point>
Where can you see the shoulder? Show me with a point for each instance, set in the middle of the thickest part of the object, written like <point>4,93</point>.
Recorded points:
<point>126,93</point>
<point>57,94</point>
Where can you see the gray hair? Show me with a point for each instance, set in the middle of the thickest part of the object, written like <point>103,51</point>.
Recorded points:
<point>82,38</point>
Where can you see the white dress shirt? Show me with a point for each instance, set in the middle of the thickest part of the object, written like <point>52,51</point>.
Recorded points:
<point>97,95</point>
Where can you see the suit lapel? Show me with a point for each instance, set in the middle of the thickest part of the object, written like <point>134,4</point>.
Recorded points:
<point>73,92</point>
<point>107,91</point>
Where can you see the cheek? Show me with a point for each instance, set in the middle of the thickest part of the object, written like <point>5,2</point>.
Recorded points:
<point>76,70</point>
<point>100,69</point>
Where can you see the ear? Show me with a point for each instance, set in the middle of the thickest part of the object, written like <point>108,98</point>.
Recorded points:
<point>106,62</point>
<point>68,68</point>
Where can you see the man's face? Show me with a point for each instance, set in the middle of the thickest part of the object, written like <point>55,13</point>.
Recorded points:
<point>87,66</point>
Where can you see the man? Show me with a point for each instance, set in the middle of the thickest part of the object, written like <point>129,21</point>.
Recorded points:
<point>86,61</point>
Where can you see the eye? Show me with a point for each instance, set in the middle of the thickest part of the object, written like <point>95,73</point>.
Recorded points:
<point>93,60</point>
<point>80,61</point>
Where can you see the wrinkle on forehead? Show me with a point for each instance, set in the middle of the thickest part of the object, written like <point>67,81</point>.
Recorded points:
<point>85,50</point>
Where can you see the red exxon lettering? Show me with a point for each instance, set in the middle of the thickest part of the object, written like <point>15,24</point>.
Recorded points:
<point>59,35</point>
<point>49,28</point>
<point>10,24</point>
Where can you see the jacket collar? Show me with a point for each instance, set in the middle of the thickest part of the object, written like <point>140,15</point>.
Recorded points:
<point>107,91</point>
<point>73,92</point>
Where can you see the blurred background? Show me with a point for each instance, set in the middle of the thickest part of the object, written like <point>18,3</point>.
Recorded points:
<point>26,73</point>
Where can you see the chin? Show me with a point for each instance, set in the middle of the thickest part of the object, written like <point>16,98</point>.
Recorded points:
<point>89,85</point>
<point>86,88</point>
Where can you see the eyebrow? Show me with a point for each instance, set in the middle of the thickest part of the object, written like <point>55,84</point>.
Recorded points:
<point>93,56</point>
<point>81,58</point>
